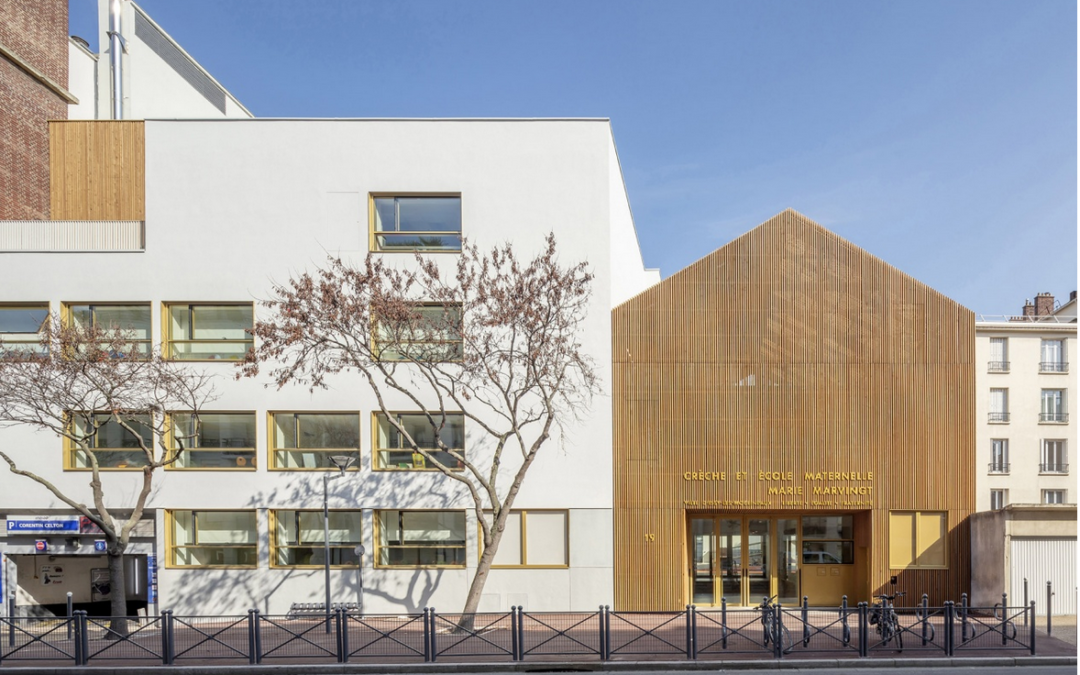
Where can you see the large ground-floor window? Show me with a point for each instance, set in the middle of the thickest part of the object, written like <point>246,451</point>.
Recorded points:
<point>420,538</point>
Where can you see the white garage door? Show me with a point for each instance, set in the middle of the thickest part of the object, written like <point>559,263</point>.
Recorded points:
<point>1041,560</point>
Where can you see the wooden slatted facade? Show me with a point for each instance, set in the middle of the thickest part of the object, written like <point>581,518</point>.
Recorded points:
<point>790,350</point>
<point>97,170</point>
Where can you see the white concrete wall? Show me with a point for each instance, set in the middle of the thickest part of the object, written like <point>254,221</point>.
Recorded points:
<point>629,276</point>
<point>1024,431</point>
<point>82,82</point>
<point>232,206</point>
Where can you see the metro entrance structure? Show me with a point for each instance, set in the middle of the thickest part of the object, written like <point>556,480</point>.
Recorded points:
<point>793,417</point>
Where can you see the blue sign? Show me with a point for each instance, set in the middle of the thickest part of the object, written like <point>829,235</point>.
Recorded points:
<point>99,546</point>
<point>43,524</point>
<point>41,545</point>
<point>151,575</point>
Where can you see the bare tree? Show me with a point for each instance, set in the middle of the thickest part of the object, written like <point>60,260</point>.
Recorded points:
<point>495,341</point>
<point>87,385</point>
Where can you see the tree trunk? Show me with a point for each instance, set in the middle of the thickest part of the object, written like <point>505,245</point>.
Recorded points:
<point>118,624</point>
<point>476,588</point>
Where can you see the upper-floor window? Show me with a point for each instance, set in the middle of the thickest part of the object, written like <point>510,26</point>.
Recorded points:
<point>299,538</point>
<point>998,499</point>
<point>1053,406</point>
<point>999,455</point>
<point>394,451</point>
<point>204,332</point>
<point>432,332</point>
<point>1053,496</point>
<point>309,440</point>
<point>212,539</point>
<point>1055,457</point>
<point>999,405</point>
<point>999,355</point>
<point>1052,357</point>
<point>416,223</point>
<point>21,328</point>
<point>213,440</point>
<point>133,321</point>
<point>108,441</point>
<point>420,538</point>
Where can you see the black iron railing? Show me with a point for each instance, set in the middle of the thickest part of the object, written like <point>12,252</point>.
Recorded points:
<point>1053,366</point>
<point>1053,417</point>
<point>1054,467</point>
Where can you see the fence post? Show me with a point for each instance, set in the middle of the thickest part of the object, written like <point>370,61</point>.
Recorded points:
<point>950,626</point>
<point>70,630</point>
<point>778,625</point>
<point>805,621</point>
<point>846,632</point>
<point>427,640</point>
<point>1032,608</point>
<point>1004,618</point>
<point>521,632</point>
<point>1026,604</point>
<point>605,632</point>
<point>723,623</point>
<point>925,612</point>
<point>82,638</point>
<point>864,625</point>
<point>1049,607</point>
<point>342,629</point>
<point>963,618</point>
<point>431,633</point>
<point>163,622</point>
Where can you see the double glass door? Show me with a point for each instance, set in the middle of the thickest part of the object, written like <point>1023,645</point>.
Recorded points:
<point>743,559</point>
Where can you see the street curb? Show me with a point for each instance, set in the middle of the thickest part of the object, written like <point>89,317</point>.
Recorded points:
<point>550,666</point>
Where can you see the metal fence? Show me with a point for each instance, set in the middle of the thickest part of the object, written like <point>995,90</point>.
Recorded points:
<point>519,635</point>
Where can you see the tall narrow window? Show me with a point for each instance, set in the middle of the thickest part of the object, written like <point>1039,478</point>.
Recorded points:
<point>132,320</point>
<point>431,223</point>
<point>394,451</point>
<point>999,455</point>
<point>208,332</point>
<point>1054,457</point>
<point>309,440</point>
<point>999,405</point>
<point>1053,406</point>
<point>998,499</point>
<point>21,327</point>
<point>420,538</point>
<point>1052,357</point>
<point>212,539</point>
<point>999,355</point>
<point>213,440</point>
<point>299,536</point>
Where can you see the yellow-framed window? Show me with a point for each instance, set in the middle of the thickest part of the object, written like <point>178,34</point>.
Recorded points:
<point>828,540</point>
<point>415,222</point>
<point>432,333</point>
<point>918,539</point>
<point>534,538</point>
<point>307,440</point>
<point>211,538</point>
<point>21,325</point>
<point>208,331</point>
<point>113,446</point>
<point>215,441</point>
<point>132,318</point>
<point>393,452</point>
<point>297,538</point>
<point>419,538</point>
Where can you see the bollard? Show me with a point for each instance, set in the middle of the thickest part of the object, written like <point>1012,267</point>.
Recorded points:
<point>1049,607</point>
<point>251,637</point>
<point>846,633</point>
<point>431,633</point>
<point>963,618</point>
<point>864,629</point>
<point>1032,634</point>
<point>778,642</point>
<point>607,631</point>
<point>603,635</point>
<point>950,614</point>
<point>11,621</point>
<point>168,646</point>
<point>689,634</point>
<point>805,622</point>
<point>925,616</point>
<point>521,632</point>
<point>342,628</point>
<point>1026,603</point>
<point>70,628</point>
<point>1004,611</point>
<point>514,654</point>
<point>427,640</point>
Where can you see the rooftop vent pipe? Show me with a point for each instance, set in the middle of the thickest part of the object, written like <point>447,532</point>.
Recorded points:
<point>116,49</point>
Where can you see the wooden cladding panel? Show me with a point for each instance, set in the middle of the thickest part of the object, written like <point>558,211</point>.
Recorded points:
<point>97,170</point>
<point>789,350</point>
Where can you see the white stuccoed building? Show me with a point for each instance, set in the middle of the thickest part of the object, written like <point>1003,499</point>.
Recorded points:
<point>231,206</point>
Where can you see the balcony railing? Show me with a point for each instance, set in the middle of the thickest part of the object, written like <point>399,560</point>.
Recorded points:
<point>1053,417</point>
<point>999,467</point>
<point>1053,366</point>
<point>997,367</point>
<point>1054,468</point>
<point>999,417</point>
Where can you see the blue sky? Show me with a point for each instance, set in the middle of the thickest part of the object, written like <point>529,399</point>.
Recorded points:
<point>940,136</point>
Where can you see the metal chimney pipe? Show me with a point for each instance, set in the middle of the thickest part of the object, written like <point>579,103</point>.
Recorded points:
<point>115,53</point>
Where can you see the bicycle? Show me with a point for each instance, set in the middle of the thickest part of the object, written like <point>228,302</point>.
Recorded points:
<point>769,616</point>
<point>883,616</point>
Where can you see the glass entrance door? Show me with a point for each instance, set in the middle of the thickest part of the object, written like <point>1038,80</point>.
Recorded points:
<point>732,558</point>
